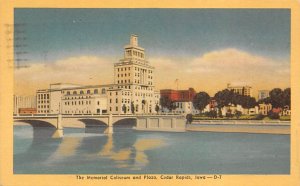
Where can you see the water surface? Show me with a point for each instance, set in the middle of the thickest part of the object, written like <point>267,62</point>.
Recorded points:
<point>126,151</point>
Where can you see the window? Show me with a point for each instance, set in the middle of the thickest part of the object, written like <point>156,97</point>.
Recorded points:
<point>116,100</point>
<point>74,92</point>
<point>68,93</point>
<point>88,91</point>
<point>116,108</point>
<point>96,91</point>
<point>98,102</point>
<point>81,92</point>
<point>103,91</point>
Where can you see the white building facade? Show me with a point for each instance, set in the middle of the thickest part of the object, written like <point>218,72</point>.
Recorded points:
<point>241,89</point>
<point>134,82</point>
<point>262,94</point>
<point>185,107</point>
<point>23,102</point>
<point>132,92</point>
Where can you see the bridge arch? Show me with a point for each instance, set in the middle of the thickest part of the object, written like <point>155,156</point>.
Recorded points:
<point>93,122</point>
<point>37,123</point>
<point>124,122</point>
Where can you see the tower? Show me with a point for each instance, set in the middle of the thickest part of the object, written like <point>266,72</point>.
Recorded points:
<point>135,76</point>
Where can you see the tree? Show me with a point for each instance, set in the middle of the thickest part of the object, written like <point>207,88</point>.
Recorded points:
<point>229,113</point>
<point>273,115</point>
<point>212,114</point>
<point>238,114</point>
<point>189,118</point>
<point>166,102</point>
<point>224,98</point>
<point>200,100</point>
<point>132,107</point>
<point>247,102</point>
<point>287,97</point>
<point>276,98</point>
<point>143,105</point>
<point>227,97</point>
<point>156,108</point>
<point>124,108</point>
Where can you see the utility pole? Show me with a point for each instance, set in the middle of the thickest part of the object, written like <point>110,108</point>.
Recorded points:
<point>177,81</point>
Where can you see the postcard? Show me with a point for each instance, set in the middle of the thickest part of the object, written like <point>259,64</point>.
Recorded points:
<point>142,93</point>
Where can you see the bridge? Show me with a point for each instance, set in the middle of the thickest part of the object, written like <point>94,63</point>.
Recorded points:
<point>153,122</point>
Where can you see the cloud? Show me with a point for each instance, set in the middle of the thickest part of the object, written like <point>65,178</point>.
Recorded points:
<point>209,72</point>
<point>78,70</point>
<point>213,70</point>
<point>231,59</point>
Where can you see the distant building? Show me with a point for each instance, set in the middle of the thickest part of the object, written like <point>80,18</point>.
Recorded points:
<point>262,94</point>
<point>27,111</point>
<point>286,111</point>
<point>182,100</point>
<point>185,108</point>
<point>179,95</point>
<point>264,109</point>
<point>244,90</point>
<point>23,102</point>
<point>212,105</point>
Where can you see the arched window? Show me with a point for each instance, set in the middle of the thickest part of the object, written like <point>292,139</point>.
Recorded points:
<point>68,93</point>
<point>74,92</point>
<point>96,91</point>
<point>81,92</point>
<point>103,91</point>
<point>88,91</point>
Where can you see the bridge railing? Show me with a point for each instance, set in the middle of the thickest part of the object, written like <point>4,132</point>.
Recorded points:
<point>98,114</point>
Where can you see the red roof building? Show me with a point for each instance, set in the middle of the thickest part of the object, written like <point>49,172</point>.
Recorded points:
<point>178,95</point>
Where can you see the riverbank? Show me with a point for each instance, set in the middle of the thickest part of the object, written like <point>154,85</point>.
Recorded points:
<point>241,127</point>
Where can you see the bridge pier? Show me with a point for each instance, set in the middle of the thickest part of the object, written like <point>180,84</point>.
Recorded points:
<point>59,133</point>
<point>109,129</point>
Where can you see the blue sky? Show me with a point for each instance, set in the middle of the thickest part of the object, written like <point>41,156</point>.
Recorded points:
<point>213,46</point>
<point>163,32</point>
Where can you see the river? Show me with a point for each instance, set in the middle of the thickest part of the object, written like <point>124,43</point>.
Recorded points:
<point>126,151</point>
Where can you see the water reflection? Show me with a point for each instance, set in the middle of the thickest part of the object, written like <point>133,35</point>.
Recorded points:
<point>93,145</point>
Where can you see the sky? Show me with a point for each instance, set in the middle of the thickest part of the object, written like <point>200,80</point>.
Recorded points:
<point>203,48</point>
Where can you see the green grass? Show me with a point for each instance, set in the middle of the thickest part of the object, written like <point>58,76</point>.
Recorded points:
<point>285,118</point>
<point>243,117</point>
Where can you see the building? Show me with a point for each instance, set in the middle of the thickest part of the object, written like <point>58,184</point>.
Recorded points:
<point>241,89</point>
<point>212,105</point>
<point>43,101</point>
<point>134,82</point>
<point>286,111</point>
<point>262,94</point>
<point>264,109</point>
<point>185,108</point>
<point>178,95</point>
<point>27,111</point>
<point>21,102</point>
<point>72,99</point>
<point>133,90</point>
<point>183,100</point>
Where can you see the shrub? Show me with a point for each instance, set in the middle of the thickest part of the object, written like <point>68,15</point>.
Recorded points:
<point>273,115</point>
<point>189,118</point>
